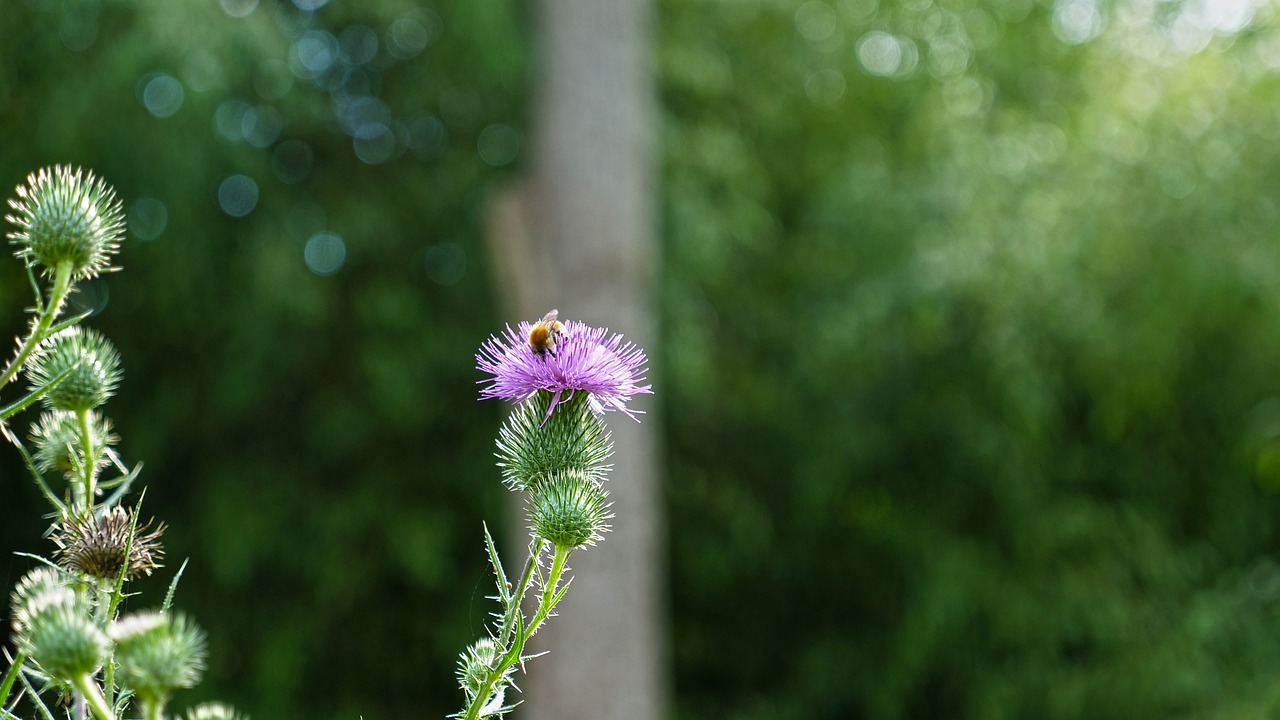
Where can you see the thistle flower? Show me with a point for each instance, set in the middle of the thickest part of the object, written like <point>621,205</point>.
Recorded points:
<point>158,653</point>
<point>93,379</point>
<point>67,216</point>
<point>583,359</point>
<point>101,548</point>
<point>56,435</point>
<point>569,510</point>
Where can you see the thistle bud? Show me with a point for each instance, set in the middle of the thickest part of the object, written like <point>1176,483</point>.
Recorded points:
<point>66,216</point>
<point>56,631</point>
<point>90,383</point>
<point>158,653</point>
<point>569,509</point>
<point>57,439</point>
<point>41,587</point>
<point>213,711</point>
<point>532,445</point>
<point>476,663</point>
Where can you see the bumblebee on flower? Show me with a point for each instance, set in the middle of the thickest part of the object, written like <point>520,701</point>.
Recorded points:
<point>563,357</point>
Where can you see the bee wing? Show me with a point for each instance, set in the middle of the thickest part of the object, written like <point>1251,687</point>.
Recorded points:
<point>551,316</point>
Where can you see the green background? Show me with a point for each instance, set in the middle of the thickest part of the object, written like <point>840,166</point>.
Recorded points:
<point>968,363</point>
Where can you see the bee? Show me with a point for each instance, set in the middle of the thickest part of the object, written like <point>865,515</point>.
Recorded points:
<point>545,334</point>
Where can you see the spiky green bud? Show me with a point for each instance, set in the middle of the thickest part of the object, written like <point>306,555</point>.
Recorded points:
<point>66,216</point>
<point>158,653</point>
<point>39,588</point>
<point>95,376</point>
<point>55,629</point>
<point>214,711</point>
<point>57,439</point>
<point>476,663</point>
<point>569,509</point>
<point>531,445</point>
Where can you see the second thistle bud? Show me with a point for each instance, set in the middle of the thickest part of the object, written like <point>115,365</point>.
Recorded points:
<point>94,369</point>
<point>158,653</point>
<point>57,436</point>
<point>569,509</point>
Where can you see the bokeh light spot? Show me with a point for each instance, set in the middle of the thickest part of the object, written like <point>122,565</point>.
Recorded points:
<point>201,71</point>
<point>238,195</point>
<point>228,120</point>
<point>261,126</point>
<point>411,34</point>
<point>446,263</point>
<point>948,56</point>
<point>815,21</point>
<point>880,53</point>
<point>858,10</point>
<point>148,218</point>
<point>239,8</point>
<point>825,87</point>
<point>358,44</point>
<point>498,145</point>
<point>374,143</point>
<point>427,136</point>
<point>313,54</point>
<point>292,161</point>
<point>78,30</point>
<point>91,296</point>
<point>325,253</point>
<point>1076,21</point>
<point>162,94</point>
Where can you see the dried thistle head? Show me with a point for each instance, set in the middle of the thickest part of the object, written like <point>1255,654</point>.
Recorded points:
<point>101,548</point>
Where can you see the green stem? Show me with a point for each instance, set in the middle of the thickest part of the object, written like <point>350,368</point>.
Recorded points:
<point>61,286</point>
<point>547,604</point>
<point>9,677</point>
<point>103,612</point>
<point>153,710</point>
<point>93,696</point>
<point>90,461</point>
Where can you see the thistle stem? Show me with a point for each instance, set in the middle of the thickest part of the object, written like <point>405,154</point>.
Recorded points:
<point>58,294</point>
<point>93,696</point>
<point>90,461</point>
<point>548,602</point>
<point>7,685</point>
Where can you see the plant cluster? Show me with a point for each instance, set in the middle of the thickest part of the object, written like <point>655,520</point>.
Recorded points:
<point>553,447</point>
<point>72,639</point>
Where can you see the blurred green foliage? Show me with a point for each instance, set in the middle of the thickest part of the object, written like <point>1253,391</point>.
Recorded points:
<point>972,330</point>
<point>968,366</point>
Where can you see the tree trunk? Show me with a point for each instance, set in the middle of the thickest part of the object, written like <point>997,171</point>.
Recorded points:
<point>579,236</point>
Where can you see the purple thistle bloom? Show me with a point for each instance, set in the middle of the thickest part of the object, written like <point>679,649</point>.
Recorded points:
<point>583,359</point>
